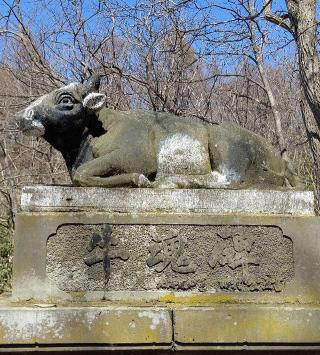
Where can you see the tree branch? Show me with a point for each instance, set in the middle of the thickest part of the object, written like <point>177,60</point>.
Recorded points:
<point>276,19</point>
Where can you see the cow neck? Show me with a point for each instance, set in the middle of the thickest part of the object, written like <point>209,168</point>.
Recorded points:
<point>108,117</point>
<point>74,154</point>
<point>79,151</point>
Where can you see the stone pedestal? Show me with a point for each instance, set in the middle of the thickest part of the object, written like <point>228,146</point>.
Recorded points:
<point>183,269</point>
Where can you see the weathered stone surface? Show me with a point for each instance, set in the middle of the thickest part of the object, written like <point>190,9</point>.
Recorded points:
<point>300,244</point>
<point>58,198</point>
<point>158,275</point>
<point>253,324</point>
<point>79,325</point>
<point>169,257</point>
<point>104,326</point>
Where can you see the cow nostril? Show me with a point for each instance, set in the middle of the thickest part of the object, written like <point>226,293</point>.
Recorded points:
<point>24,118</point>
<point>29,122</point>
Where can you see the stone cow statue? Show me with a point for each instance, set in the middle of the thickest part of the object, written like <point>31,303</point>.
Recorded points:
<point>104,147</point>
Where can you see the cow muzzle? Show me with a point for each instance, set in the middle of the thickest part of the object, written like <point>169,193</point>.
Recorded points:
<point>29,124</point>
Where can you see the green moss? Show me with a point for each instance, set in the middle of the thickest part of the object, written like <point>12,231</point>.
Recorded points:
<point>6,250</point>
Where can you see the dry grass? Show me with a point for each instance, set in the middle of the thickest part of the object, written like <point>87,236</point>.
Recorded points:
<point>6,250</point>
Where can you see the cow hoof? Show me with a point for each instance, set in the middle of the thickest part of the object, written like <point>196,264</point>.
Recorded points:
<point>143,181</point>
<point>76,179</point>
<point>166,183</point>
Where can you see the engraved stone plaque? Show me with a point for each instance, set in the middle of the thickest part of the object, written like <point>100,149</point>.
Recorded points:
<point>169,257</point>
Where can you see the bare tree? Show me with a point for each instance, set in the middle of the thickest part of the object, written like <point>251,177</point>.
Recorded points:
<point>300,21</point>
<point>257,47</point>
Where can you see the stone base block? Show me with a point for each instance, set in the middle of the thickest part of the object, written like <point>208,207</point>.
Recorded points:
<point>30,325</point>
<point>243,324</point>
<point>165,329</point>
<point>165,254</point>
<point>166,268</point>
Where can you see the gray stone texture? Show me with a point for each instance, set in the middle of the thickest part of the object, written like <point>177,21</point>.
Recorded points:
<point>106,327</point>
<point>164,269</point>
<point>215,201</point>
<point>176,246</point>
<point>42,324</point>
<point>171,257</point>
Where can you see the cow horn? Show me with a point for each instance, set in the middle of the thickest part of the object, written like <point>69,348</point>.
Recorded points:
<point>93,82</point>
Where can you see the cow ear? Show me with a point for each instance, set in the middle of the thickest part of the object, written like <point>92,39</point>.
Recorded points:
<point>94,101</point>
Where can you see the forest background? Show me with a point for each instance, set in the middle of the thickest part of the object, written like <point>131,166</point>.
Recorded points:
<point>251,62</point>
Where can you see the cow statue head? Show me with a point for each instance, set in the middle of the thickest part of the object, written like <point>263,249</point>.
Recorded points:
<point>64,116</point>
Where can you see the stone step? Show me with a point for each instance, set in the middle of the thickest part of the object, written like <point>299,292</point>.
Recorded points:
<point>158,327</point>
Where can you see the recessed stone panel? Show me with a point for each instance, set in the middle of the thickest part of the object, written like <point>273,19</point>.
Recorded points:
<point>88,257</point>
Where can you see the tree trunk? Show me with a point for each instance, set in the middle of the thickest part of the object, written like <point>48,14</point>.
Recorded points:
<point>274,108</point>
<point>302,14</point>
<point>314,143</point>
<point>302,24</point>
<point>258,53</point>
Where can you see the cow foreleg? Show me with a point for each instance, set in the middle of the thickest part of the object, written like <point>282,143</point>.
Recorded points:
<point>132,179</point>
<point>95,173</point>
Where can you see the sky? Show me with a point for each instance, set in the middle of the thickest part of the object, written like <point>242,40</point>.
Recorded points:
<point>37,19</point>
<point>32,6</point>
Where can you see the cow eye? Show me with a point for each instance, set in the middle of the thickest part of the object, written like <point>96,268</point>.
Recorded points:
<point>66,100</point>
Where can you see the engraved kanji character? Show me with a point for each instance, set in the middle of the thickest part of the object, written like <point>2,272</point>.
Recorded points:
<point>170,252</point>
<point>103,248</point>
